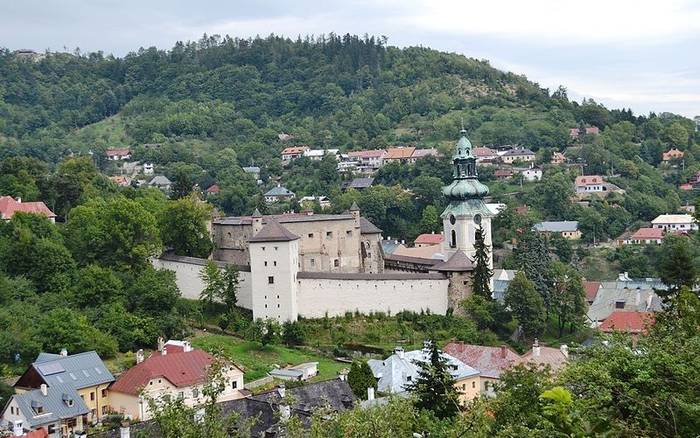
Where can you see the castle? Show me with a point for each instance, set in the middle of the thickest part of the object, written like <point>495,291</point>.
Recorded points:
<point>311,265</point>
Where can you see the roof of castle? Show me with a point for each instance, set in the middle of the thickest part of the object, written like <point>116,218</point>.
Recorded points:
<point>274,232</point>
<point>458,262</point>
<point>367,227</point>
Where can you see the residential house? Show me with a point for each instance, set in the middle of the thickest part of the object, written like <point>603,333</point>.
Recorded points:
<point>428,240</point>
<point>484,155</point>
<point>118,154</point>
<point>120,180</point>
<point>162,182</point>
<point>175,370</point>
<point>594,184</point>
<point>688,208</point>
<point>503,173</point>
<point>318,154</point>
<point>643,236</point>
<point>499,282</point>
<point>554,358</point>
<point>308,201</point>
<point>675,222</point>
<point>254,171</point>
<point>370,160</point>
<point>358,183</point>
<point>421,153</point>
<point>277,194</point>
<point>9,206</point>
<point>293,152</point>
<point>518,154</point>
<point>148,168</point>
<point>84,372</point>
<point>673,154</point>
<point>301,372</point>
<point>399,154</point>
<point>575,132</point>
<point>490,362</point>
<point>395,373</point>
<point>566,229</point>
<point>347,165</point>
<point>213,190</point>
<point>532,174</point>
<point>558,158</point>
<point>58,410</point>
<point>627,294</point>
<point>631,322</point>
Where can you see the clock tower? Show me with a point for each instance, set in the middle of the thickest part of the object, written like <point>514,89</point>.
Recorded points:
<point>467,210</point>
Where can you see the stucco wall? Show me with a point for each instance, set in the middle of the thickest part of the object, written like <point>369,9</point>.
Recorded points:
<point>187,271</point>
<point>315,297</point>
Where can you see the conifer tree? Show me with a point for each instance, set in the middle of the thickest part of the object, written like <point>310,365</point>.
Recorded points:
<point>434,387</point>
<point>482,271</point>
<point>360,378</point>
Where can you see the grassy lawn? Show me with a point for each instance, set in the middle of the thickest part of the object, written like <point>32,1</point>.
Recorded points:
<point>257,360</point>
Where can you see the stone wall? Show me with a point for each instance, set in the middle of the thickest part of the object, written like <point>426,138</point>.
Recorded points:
<point>321,293</point>
<point>187,270</point>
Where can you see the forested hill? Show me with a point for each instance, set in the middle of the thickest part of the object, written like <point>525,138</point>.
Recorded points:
<point>333,91</point>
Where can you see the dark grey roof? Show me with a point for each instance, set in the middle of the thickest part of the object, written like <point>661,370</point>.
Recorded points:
<point>354,206</point>
<point>367,227</point>
<point>274,232</point>
<point>370,277</point>
<point>160,180</point>
<point>53,404</point>
<point>389,246</point>
<point>458,262</point>
<point>556,226</point>
<point>519,151</point>
<point>279,191</point>
<point>251,169</point>
<point>361,183</point>
<point>77,370</point>
<point>409,259</point>
<point>282,218</point>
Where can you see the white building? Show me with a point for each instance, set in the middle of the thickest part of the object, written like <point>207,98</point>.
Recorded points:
<point>318,154</point>
<point>532,174</point>
<point>675,222</point>
<point>148,168</point>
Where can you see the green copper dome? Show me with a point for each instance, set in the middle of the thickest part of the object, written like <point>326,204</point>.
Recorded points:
<point>465,189</point>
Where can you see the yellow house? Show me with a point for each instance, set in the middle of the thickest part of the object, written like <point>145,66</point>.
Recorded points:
<point>84,373</point>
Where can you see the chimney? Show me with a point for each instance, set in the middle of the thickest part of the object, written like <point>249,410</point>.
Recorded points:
<point>139,356</point>
<point>399,352</point>
<point>164,351</point>
<point>64,352</point>
<point>161,343</point>
<point>44,389</point>
<point>564,350</point>
<point>125,430</point>
<point>504,351</point>
<point>282,390</point>
<point>536,349</point>
<point>370,393</point>
<point>187,346</point>
<point>19,200</point>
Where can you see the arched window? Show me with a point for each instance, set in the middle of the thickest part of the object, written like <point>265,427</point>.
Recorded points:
<point>453,241</point>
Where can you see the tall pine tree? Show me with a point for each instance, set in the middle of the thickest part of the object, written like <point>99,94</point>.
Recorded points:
<point>482,271</point>
<point>434,387</point>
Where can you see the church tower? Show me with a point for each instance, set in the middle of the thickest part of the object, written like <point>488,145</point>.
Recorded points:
<point>467,210</point>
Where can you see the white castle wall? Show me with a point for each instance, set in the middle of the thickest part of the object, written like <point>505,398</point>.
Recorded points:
<point>316,296</point>
<point>187,270</point>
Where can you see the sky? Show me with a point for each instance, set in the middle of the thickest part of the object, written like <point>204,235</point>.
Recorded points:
<point>637,54</point>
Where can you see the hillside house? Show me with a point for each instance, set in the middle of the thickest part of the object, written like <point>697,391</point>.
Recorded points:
<point>175,370</point>
<point>318,154</point>
<point>118,154</point>
<point>575,132</point>
<point>293,152</point>
<point>277,194</point>
<point>485,155</point>
<point>518,154</point>
<point>555,358</point>
<point>566,229</point>
<point>428,240</point>
<point>643,236</point>
<point>491,362</point>
<point>631,322</point>
<point>213,190</point>
<point>503,173</point>
<point>162,182</point>
<point>368,160</point>
<point>358,183</point>
<point>9,206</point>
<point>558,158</point>
<point>673,154</point>
<point>675,222</point>
<point>532,174</point>
<point>629,294</point>
<point>399,154</point>
<point>422,153</point>
<point>148,168</point>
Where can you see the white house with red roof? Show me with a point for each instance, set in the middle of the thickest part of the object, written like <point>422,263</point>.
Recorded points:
<point>644,236</point>
<point>118,154</point>
<point>428,240</point>
<point>175,370</point>
<point>9,206</point>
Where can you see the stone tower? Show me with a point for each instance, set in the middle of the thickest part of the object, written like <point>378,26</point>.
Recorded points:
<point>274,264</point>
<point>466,210</point>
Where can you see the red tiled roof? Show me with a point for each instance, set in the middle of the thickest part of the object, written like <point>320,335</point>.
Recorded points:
<point>591,289</point>
<point>117,152</point>
<point>9,206</point>
<point>294,150</point>
<point>588,180</point>
<point>399,153</point>
<point>547,356</point>
<point>686,186</point>
<point>503,173</point>
<point>429,239</point>
<point>491,361</point>
<point>178,367</point>
<point>482,151</point>
<point>368,154</point>
<point>648,234</point>
<point>630,322</point>
<point>214,188</point>
<point>39,433</point>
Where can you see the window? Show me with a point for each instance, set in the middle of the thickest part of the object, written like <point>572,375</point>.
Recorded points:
<point>265,262</point>
<point>329,234</point>
<point>348,233</point>
<point>270,280</point>
<point>39,409</point>
<point>336,263</point>
<point>409,378</point>
<point>311,235</point>
<point>313,262</point>
<point>52,429</point>
<point>453,239</point>
<point>619,304</point>
<point>274,262</point>
<point>473,384</point>
<point>104,393</point>
<point>263,248</point>
<point>276,248</point>
<point>234,384</point>
<point>195,393</point>
<point>92,396</point>
<point>104,410</point>
<point>181,395</point>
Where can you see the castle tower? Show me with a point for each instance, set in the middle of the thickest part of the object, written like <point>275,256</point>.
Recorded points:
<point>274,264</point>
<point>466,210</point>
